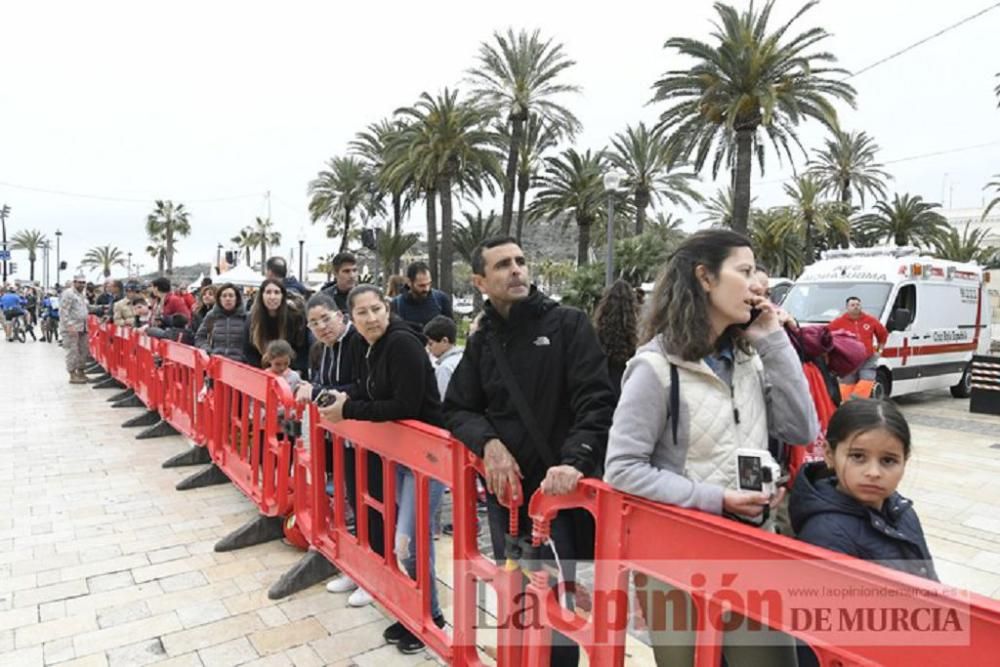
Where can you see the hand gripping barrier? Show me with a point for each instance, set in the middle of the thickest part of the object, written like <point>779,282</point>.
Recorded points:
<point>249,444</point>
<point>892,618</point>
<point>430,453</point>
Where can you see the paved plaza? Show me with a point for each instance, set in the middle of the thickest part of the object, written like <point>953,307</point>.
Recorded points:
<point>102,562</point>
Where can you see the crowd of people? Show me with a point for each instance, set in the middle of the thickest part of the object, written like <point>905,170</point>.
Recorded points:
<point>659,399</point>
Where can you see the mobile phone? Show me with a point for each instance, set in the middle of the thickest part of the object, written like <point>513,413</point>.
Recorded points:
<point>754,314</point>
<point>325,398</point>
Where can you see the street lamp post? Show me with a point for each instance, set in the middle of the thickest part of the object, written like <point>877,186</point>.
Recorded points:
<point>129,264</point>
<point>58,261</point>
<point>612,181</point>
<point>218,259</point>
<point>302,242</point>
<point>4,212</point>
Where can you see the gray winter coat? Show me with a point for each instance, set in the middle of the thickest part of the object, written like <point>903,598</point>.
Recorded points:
<point>224,333</point>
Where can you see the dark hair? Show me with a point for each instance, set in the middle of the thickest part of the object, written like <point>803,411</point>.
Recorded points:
<point>867,414</point>
<point>208,288</point>
<point>118,286</point>
<point>441,327</point>
<point>363,289</point>
<point>396,286</point>
<point>206,281</point>
<point>616,320</point>
<point>178,321</point>
<point>140,300</point>
<point>852,298</point>
<point>342,258</point>
<point>162,285</point>
<point>679,305</point>
<point>278,348</point>
<point>762,268</point>
<point>222,288</point>
<point>321,300</point>
<point>277,266</point>
<point>478,265</point>
<point>288,323</point>
<point>415,269</point>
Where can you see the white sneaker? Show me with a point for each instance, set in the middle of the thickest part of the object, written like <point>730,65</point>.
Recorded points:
<point>360,598</point>
<point>342,584</point>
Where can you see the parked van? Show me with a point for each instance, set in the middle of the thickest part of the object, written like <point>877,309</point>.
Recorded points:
<point>937,312</point>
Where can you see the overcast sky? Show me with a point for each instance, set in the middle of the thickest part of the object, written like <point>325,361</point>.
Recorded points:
<point>215,103</point>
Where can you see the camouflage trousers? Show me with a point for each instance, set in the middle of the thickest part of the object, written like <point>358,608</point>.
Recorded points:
<point>76,350</point>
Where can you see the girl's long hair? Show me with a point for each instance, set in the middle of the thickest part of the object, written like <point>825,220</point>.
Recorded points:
<point>287,324</point>
<point>678,305</point>
<point>616,320</point>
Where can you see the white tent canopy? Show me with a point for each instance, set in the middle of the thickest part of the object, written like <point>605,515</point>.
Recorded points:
<point>242,276</point>
<point>193,287</point>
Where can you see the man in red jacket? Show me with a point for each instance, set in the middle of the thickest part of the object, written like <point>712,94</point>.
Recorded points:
<point>870,332</point>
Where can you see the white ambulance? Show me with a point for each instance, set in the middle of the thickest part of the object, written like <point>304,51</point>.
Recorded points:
<point>937,312</point>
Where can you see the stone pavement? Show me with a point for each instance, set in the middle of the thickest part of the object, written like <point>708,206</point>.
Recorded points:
<point>102,562</point>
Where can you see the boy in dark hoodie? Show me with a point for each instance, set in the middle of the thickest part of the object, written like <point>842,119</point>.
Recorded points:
<point>850,504</point>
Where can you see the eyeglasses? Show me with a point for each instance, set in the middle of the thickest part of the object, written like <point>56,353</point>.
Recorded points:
<point>324,321</point>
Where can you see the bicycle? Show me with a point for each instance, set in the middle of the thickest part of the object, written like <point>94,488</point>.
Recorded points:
<point>50,329</point>
<point>18,331</point>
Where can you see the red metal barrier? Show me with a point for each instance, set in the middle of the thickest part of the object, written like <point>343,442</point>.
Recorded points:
<point>752,562</point>
<point>430,453</point>
<point>121,362</point>
<point>93,334</point>
<point>246,439</point>
<point>184,369</point>
<point>148,383</point>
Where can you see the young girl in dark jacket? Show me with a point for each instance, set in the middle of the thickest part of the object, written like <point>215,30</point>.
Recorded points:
<point>850,504</point>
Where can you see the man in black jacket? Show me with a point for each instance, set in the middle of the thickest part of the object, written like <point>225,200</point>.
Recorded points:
<point>345,277</point>
<point>532,397</point>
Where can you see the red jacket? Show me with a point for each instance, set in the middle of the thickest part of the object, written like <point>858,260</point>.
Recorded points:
<point>866,328</point>
<point>174,304</point>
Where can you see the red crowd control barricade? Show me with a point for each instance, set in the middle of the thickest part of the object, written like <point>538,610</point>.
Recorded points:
<point>851,612</point>
<point>247,439</point>
<point>93,335</point>
<point>148,384</point>
<point>184,369</point>
<point>430,453</point>
<point>122,358</point>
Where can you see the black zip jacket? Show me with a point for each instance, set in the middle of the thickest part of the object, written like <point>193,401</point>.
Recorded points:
<point>559,365</point>
<point>394,379</point>
<point>332,366</point>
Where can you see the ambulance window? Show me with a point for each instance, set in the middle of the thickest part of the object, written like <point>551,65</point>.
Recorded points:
<point>907,298</point>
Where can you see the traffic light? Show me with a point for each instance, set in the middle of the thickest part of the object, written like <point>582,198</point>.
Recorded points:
<point>63,265</point>
<point>11,267</point>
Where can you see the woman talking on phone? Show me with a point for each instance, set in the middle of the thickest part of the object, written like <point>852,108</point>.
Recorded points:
<point>714,374</point>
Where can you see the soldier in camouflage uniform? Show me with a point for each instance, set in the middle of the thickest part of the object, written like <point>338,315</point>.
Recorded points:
<point>73,326</point>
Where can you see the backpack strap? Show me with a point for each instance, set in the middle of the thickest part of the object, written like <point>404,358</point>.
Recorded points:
<point>667,369</point>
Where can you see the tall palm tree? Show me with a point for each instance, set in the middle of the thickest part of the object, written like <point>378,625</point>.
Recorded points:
<point>906,220</point>
<point>720,210</point>
<point>996,200</point>
<point>103,258</point>
<point>264,235</point>
<point>539,139</point>
<point>846,166</point>
<point>812,215</point>
<point>169,221</point>
<point>473,232</point>
<point>157,249</point>
<point>246,242</point>
<point>647,161</point>
<point>31,240</point>
<point>775,243</point>
<point>392,246</point>
<point>967,247</point>
<point>448,142</point>
<point>748,85</point>
<point>517,76</point>
<point>340,188</point>
<point>572,186</point>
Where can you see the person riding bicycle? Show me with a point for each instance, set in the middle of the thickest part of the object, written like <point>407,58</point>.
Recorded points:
<point>12,306</point>
<point>50,314</point>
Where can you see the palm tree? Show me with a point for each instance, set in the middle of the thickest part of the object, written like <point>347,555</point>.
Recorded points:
<point>646,159</point>
<point>473,232</point>
<point>720,209</point>
<point>847,166</point>
<point>572,186</point>
<point>246,242</point>
<point>967,247</point>
<point>539,138</point>
<point>908,219</point>
<point>264,235</point>
<point>749,79</point>
<point>448,142</point>
<point>341,188</point>
<point>392,246</point>
<point>517,76</point>
<point>996,200</point>
<point>157,249</point>
<point>103,258</point>
<point>814,216</point>
<point>30,240</point>
<point>168,221</point>
<point>775,243</point>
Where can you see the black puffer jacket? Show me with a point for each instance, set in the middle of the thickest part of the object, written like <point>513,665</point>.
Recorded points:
<point>558,363</point>
<point>394,379</point>
<point>224,333</point>
<point>824,516</point>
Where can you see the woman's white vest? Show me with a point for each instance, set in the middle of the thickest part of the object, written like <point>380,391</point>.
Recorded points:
<point>708,409</point>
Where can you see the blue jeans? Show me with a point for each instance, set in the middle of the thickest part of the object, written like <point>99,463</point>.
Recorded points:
<point>406,526</point>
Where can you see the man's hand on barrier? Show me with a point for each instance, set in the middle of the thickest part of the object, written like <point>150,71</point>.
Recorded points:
<point>749,504</point>
<point>335,411</point>
<point>501,470</point>
<point>779,496</point>
<point>560,480</point>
